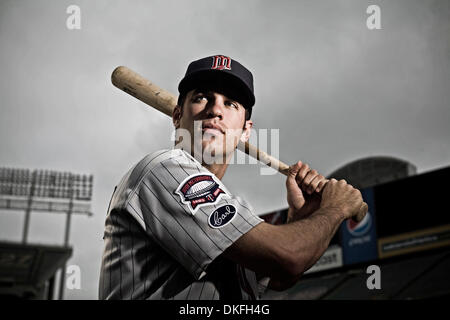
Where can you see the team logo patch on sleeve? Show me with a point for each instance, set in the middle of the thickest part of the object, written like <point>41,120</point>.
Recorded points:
<point>221,216</point>
<point>199,190</point>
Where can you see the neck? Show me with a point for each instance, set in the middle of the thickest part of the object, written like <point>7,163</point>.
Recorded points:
<point>217,169</point>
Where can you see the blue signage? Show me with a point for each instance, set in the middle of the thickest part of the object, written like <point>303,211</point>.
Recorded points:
<point>359,240</point>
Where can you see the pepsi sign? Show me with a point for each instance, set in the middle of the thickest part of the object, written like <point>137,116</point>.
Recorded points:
<point>359,239</point>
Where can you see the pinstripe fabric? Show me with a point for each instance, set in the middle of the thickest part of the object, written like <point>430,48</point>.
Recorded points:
<point>155,248</point>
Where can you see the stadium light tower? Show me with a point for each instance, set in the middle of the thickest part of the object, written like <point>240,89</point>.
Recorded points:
<point>49,191</point>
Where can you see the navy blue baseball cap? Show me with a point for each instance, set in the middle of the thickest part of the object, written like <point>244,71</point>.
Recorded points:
<point>220,72</point>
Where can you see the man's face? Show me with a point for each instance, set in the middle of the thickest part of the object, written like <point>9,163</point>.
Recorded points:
<point>215,123</point>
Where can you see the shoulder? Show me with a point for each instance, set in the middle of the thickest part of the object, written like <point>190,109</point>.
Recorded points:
<point>160,162</point>
<point>164,161</point>
<point>130,180</point>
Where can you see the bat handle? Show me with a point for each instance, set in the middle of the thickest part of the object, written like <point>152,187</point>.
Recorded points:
<point>264,157</point>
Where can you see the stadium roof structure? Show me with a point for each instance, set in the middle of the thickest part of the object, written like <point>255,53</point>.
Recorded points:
<point>370,171</point>
<point>26,268</point>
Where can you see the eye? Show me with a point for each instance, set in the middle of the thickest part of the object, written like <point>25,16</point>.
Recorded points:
<point>199,97</point>
<point>232,104</point>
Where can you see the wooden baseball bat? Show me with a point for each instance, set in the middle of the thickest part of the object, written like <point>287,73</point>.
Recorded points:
<point>141,88</point>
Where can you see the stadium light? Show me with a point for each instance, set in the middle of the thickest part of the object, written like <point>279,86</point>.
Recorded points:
<point>46,190</point>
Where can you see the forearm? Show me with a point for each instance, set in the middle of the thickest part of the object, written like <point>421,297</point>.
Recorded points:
<point>284,252</point>
<point>312,237</point>
<point>308,238</point>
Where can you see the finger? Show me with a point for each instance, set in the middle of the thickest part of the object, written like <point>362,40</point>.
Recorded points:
<point>364,207</point>
<point>292,175</point>
<point>321,185</point>
<point>294,169</point>
<point>331,182</point>
<point>318,184</point>
<point>295,195</point>
<point>314,183</point>
<point>362,212</point>
<point>310,176</point>
<point>304,169</point>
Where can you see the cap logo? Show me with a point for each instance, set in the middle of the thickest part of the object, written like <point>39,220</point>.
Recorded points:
<point>221,62</point>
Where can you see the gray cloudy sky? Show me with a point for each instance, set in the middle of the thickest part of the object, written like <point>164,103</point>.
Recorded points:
<point>336,90</point>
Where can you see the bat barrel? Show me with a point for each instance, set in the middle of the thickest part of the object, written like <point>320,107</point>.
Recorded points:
<point>134,84</point>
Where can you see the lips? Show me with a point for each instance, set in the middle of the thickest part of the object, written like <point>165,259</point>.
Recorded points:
<point>211,127</point>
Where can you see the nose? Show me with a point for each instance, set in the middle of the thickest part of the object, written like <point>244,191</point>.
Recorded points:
<point>214,109</point>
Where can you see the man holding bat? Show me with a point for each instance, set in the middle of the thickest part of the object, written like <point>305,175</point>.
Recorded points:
<point>174,231</point>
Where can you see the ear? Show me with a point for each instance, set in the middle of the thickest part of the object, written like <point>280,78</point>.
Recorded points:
<point>176,116</point>
<point>247,130</point>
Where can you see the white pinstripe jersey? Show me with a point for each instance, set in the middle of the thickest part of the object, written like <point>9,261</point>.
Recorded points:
<point>168,221</point>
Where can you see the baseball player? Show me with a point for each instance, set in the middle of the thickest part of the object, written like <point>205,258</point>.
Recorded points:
<point>173,230</point>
